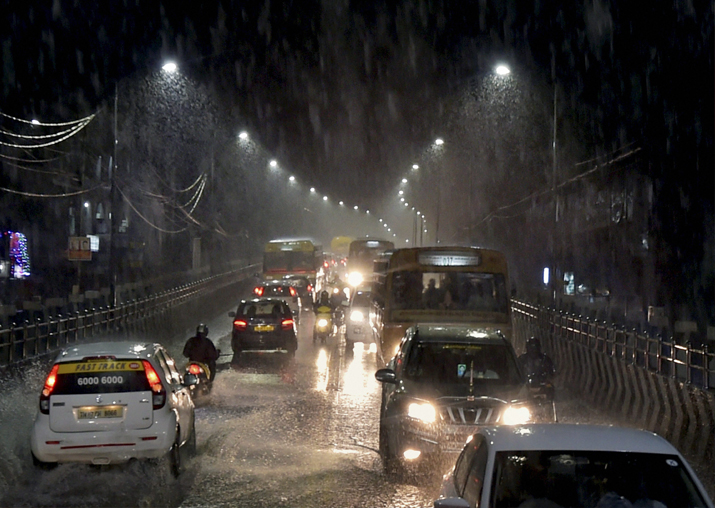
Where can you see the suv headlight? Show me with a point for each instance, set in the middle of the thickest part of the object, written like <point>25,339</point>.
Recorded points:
<point>357,316</point>
<point>424,412</point>
<point>516,415</point>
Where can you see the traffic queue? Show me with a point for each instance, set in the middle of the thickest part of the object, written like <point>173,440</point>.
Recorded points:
<point>455,394</point>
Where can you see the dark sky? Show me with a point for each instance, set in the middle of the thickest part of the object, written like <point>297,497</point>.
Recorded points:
<point>347,92</point>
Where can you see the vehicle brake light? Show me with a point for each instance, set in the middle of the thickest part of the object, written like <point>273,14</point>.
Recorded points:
<point>287,324</point>
<point>159,393</point>
<point>292,291</point>
<point>258,291</point>
<point>195,369</point>
<point>310,288</point>
<point>47,390</point>
<point>240,324</point>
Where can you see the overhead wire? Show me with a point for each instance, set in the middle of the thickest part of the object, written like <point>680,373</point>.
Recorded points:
<point>74,131</point>
<point>62,195</point>
<point>44,124</point>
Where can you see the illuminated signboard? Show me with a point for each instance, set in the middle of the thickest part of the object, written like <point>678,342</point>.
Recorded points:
<point>450,259</point>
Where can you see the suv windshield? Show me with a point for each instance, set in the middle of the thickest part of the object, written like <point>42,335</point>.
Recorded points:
<point>591,478</point>
<point>442,363</point>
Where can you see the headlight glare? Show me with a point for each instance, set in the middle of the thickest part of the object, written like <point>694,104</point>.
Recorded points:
<point>516,415</point>
<point>322,323</point>
<point>355,279</point>
<point>357,316</point>
<point>424,412</point>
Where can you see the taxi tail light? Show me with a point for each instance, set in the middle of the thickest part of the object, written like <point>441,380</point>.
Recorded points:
<point>47,390</point>
<point>240,324</point>
<point>287,324</point>
<point>195,369</point>
<point>159,393</point>
<point>258,291</point>
<point>292,291</point>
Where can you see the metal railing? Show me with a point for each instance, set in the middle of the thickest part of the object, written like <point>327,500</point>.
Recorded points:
<point>687,363</point>
<point>29,340</point>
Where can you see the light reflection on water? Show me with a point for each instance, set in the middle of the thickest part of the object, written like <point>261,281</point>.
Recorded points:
<point>322,364</point>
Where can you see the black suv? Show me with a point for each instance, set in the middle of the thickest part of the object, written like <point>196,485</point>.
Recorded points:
<point>263,325</point>
<point>444,382</point>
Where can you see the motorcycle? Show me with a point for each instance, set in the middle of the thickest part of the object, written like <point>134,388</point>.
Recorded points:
<point>203,374</point>
<point>542,392</point>
<point>323,327</point>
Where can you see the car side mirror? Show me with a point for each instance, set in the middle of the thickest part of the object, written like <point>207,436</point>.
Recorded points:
<point>190,380</point>
<point>451,502</point>
<point>232,314</point>
<point>386,376</point>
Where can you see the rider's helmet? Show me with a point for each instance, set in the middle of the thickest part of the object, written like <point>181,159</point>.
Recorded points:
<point>533,346</point>
<point>324,296</point>
<point>202,330</point>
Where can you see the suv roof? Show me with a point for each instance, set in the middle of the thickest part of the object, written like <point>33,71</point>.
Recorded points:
<point>456,333</point>
<point>124,349</point>
<point>575,437</point>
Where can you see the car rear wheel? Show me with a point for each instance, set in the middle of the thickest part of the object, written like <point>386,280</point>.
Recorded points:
<point>175,462</point>
<point>42,465</point>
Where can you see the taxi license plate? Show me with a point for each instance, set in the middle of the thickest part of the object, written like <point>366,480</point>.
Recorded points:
<point>264,328</point>
<point>92,413</point>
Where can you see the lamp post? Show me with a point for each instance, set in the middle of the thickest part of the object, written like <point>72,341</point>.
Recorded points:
<point>438,144</point>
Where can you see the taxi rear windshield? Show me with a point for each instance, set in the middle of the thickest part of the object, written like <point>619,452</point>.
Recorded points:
<point>77,378</point>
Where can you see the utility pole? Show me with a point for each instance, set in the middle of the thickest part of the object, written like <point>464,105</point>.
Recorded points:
<point>113,207</point>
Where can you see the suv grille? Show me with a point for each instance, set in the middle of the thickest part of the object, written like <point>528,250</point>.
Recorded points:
<point>457,415</point>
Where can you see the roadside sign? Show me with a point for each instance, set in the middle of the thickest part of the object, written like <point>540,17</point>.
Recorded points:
<point>79,249</point>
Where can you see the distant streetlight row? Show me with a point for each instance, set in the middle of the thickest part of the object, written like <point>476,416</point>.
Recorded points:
<point>243,136</point>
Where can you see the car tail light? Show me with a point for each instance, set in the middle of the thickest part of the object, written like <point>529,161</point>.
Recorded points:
<point>195,369</point>
<point>159,393</point>
<point>258,291</point>
<point>325,264</point>
<point>287,324</point>
<point>292,291</point>
<point>47,390</point>
<point>240,324</point>
<point>310,288</point>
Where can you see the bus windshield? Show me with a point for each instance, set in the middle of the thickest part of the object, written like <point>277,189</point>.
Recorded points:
<point>472,291</point>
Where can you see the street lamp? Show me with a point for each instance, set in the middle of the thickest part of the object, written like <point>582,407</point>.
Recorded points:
<point>291,178</point>
<point>243,135</point>
<point>273,163</point>
<point>169,67</point>
<point>502,70</point>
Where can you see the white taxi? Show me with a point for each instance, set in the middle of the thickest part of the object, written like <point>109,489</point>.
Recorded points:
<point>110,402</point>
<point>558,465</point>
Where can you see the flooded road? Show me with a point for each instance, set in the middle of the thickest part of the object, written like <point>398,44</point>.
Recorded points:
<point>301,434</point>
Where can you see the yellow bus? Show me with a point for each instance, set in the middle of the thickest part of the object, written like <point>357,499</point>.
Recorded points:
<point>439,285</point>
<point>290,257</point>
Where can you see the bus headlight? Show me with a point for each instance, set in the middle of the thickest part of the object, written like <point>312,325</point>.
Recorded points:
<point>516,415</point>
<point>355,279</point>
<point>357,316</point>
<point>422,411</point>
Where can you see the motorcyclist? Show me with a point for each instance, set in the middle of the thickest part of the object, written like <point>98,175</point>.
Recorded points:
<point>323,305</point>
<point>199,348</point>
<point>536,364</point>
